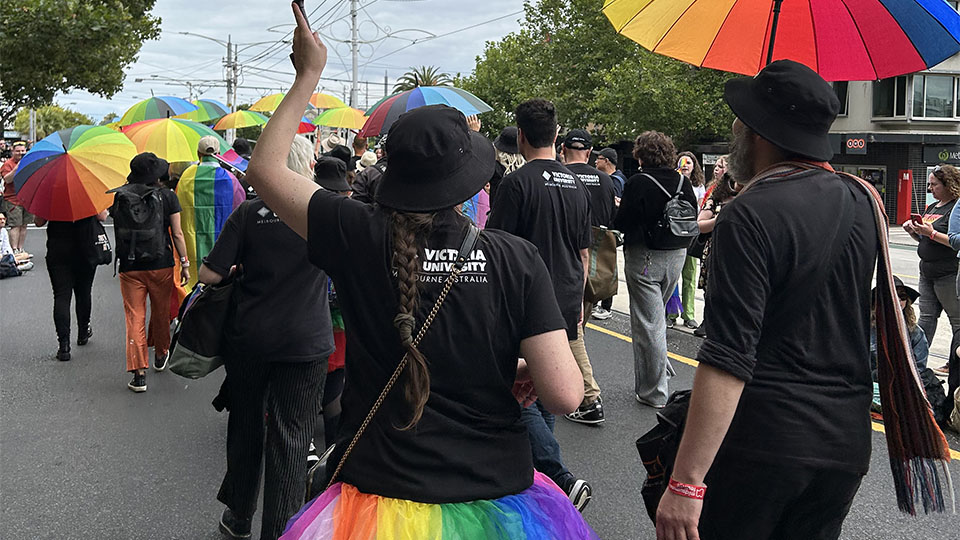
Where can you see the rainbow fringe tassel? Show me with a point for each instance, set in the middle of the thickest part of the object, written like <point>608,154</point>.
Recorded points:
<point>541,512</point>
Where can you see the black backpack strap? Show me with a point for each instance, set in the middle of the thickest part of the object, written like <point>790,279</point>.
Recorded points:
<point>679,185</point>
<point>466,248</point>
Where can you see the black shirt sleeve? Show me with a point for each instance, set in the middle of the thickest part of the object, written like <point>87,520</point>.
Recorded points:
<point>630,215</point>
<point>505,210</point>
<point>170,202</point>
<point>226,250</point>
<point>738,291</point>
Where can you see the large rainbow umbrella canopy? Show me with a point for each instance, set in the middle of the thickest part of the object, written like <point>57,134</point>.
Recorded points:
<point>156,107</point>
<point>267,103</point>
<point>341,117</point>
<point>326,101</point>
<point>240,119</point>
<point>172,139</point>
<point>207,111</point>
<point>208,194</point>
<point>65,176</point>
<point>841,40</point>
<point>386,113</point>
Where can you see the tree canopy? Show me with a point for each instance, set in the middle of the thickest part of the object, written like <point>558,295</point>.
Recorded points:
<point>52,46</point>
<point>568,52</point>
<point>421,76</point>
<point>50,118</point>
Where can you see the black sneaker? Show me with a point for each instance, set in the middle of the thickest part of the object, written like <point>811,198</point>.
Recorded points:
<point>160,362</point>
<point>84,335</point>
<point>63,352</point>
<point>139,383</point>
<point>587,414</point>
<point>580,493</point>
<point>233,525</point>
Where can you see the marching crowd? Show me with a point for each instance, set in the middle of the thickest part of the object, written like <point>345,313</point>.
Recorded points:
<point>441,257</point>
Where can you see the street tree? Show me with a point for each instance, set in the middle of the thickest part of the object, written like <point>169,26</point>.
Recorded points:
<point>568,52</point>
<point>421,76</point>
<point>51,46</point>
<point>50,118</point>
<point>109,118</point>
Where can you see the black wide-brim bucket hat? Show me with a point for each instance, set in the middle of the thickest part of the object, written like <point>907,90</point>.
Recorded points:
<point>436,161</point>
<point>789,105</point>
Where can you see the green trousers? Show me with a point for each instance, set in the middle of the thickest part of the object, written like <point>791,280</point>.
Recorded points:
<point>689,287</point>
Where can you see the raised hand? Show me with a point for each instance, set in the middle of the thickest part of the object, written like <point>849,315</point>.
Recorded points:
<point>309,53</point>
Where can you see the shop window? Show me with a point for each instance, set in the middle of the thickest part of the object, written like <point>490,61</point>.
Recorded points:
<point>840,87</point>
<point>934,96</point>
<point>890,97</point>
<point>954,4</point>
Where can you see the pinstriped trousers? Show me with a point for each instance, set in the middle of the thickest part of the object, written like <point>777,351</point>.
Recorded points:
<point>277,403</point>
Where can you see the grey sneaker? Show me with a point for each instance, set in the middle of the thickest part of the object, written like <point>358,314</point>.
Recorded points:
<point>601,314</point>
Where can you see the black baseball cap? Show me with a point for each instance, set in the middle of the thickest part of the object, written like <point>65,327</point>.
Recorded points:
<point>436,161</point>
<point>578,139</point>
<point>331,174</point>
<point>610,154</point>
<point>789,105</point>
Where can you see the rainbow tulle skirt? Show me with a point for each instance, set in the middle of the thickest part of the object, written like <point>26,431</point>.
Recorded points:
<point>542,511</point>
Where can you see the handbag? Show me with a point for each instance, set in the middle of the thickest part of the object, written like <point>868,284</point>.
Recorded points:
<point>8,267</point>
<point>602,273</point>
<point>100,250</point>
<point>196,344</point>
<point>658,449</point>
<point>318,473</point>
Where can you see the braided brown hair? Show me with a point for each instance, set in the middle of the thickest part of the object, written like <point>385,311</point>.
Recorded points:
<point>409,231</point>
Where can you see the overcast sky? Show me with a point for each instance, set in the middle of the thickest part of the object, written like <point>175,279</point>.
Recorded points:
<point>173,59</point>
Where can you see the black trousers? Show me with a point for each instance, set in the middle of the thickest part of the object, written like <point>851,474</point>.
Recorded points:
<point>69,279</point>
<point>747,499</point>
<point>289,395</point>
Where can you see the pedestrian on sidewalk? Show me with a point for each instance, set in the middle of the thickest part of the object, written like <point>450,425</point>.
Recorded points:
<point>689,166</point>
<point>277,341</point>
<point>545,203</point>
<point>71,269</point>
<point>17,216</point>
<point>652,259</point>
<point>938,259</point>
<point>722,193</point>
<point>777,437</point>
<point>446,455</point>
<point>143,213</point>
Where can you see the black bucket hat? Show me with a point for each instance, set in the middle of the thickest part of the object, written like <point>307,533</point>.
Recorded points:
<point>331,174</point>
<point>789,105</point>
<point>911,292</point>
<point>436,161</point>
<point>507,140</point>
<point>146,168</point>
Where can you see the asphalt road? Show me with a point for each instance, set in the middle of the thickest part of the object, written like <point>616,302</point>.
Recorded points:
<point>82,457</point>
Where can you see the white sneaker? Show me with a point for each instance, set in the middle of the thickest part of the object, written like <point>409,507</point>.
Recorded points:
<point>601,314</point>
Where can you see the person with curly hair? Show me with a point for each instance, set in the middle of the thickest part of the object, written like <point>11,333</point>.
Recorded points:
<point>938,259</point>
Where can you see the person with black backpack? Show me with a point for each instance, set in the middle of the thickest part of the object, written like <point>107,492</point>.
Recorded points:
<point>658,217</point>
<point>145,217</point>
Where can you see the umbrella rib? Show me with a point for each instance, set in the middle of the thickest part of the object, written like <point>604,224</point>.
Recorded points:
<point>717,35</point>
<point>937,19</point>
<point>856,25</point>
<point>816,44</point>
<point>664,36</point>
<point>637,14</point>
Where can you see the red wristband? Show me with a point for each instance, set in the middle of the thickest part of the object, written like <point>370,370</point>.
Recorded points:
<point>934,233</point>
<point>686,490</point>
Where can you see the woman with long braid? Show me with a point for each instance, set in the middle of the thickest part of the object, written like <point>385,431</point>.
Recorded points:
<point>446,455</point>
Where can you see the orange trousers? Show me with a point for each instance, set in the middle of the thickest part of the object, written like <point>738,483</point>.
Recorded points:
<point>135,287</point>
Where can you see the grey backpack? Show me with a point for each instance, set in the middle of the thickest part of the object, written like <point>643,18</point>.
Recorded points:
<point>677,227</point>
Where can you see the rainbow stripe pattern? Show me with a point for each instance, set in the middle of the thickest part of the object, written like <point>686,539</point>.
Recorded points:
<point>541,512</point>
<point>208,195</point>
<point>842,40</point>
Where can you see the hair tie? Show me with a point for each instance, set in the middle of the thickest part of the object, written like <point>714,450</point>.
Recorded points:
<point>405,323</point>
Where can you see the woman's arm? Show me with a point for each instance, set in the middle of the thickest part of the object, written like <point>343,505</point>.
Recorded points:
<point>927,230</point>
<point>286,192</point>
<point>953,232</point>
<point>181,246</point>
<point>555,373</point>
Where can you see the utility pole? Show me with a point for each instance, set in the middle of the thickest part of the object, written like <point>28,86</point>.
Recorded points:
<point>354,52</point>
<point>231,76</point>
<point>386,91</point>
<point>33,125</point>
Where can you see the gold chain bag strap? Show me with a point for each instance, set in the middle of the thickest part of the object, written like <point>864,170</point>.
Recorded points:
<point>469,242</point>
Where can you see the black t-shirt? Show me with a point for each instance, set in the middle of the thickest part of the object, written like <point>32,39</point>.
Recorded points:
<point>937,260</point>
<point>470,443</point>
<point>602,193</point>
<point>68,242</point>
<point>171,205</point>
<point>642,203</point>
<point>545,203</point>
<point>282,312</point>
<point>804,354</point>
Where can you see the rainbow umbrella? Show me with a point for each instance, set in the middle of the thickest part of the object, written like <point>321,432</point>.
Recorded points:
<point>841,40</point>
<point>306,126</point>
<point>387,112</point>
<point>172,139</point>
<point>326,101</point>
<point>156,107</point>
<point>208,193</point>
<point>342,117</point>
<point>65,176</point>
<point>208,110</point>
<point>240,119</point>
<point>267,103</point>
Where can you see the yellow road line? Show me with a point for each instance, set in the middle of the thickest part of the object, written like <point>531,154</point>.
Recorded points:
<point>691,362</point>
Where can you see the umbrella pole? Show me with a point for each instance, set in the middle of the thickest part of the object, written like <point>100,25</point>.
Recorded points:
<point>773,29</point>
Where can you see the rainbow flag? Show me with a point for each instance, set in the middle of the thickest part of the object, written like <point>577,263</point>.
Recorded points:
<point>208,195</point>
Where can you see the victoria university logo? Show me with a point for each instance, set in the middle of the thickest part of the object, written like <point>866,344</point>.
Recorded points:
<point>438,263</point>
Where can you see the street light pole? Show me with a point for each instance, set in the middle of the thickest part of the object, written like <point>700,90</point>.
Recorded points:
<point>231,76</point>
<point>354,51</point>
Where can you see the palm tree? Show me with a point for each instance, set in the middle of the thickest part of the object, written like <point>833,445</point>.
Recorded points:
<point>421,76</point>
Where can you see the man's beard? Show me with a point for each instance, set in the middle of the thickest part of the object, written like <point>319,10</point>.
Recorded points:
<point>740,160</point>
